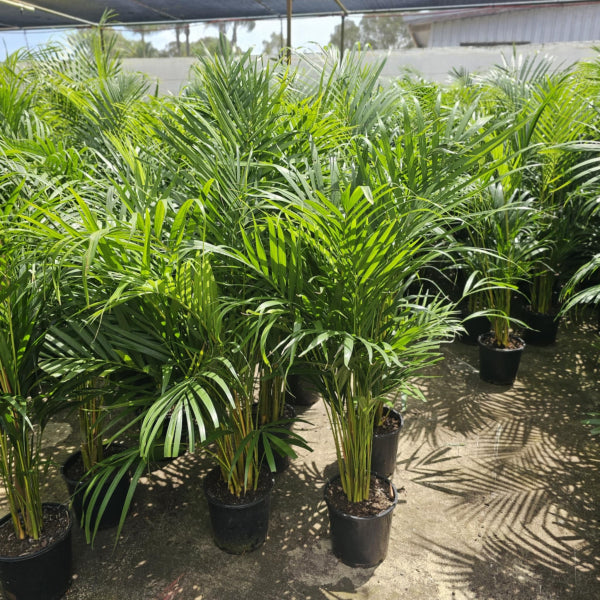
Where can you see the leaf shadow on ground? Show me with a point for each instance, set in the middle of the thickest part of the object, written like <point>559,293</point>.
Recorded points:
<point>520,462</point>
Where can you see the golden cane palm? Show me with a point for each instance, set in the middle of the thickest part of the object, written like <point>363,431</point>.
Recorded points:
<point>356,320</point>
<point>24,405</point>
<point>553,104</point>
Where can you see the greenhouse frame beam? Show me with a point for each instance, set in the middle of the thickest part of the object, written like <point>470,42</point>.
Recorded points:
<point>47,14</point>
<point>32,7</point>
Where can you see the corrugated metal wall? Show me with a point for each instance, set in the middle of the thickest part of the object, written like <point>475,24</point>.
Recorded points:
<point>537,26</point>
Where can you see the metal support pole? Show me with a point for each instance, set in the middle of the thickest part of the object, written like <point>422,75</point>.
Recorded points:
<point>289,31</point>
<point>342,36</point>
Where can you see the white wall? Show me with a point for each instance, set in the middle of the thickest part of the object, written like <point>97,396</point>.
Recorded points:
<point>433,63</point>
<point>559,23</point>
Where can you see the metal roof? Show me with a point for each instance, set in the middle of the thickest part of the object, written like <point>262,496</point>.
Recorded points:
<point>17,14</point>
<point>421,18</point>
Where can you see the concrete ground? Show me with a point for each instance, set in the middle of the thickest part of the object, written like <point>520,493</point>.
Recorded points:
<point>499,502</point>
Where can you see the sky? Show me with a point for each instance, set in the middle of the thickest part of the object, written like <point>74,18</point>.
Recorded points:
<point>305,33</point>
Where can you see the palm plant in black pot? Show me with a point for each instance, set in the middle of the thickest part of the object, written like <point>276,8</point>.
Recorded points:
<point>35,538</point>
<point>82,464</point>
<point>553,175</point>
<point>238,489</point>
<point>249,437</point>
<point>553,103</point>
<point>366,335</point>
<point>81,360</point>
<point>501,230</point>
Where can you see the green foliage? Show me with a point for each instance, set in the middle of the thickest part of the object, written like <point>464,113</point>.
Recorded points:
<point>177,257</point>
<point>557,114</point>
<point>24,406</point>
<point>505,250</point>
<point>358,321</point>
<point>579,290</point>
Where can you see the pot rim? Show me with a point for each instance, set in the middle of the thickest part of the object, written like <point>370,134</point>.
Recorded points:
<point>74,456</point>
<point>554,314</point>
<point>395,431</point>
<point>495,349</point>
<point>50,546</point>
<point>242,505</point>
<point>384,512</point>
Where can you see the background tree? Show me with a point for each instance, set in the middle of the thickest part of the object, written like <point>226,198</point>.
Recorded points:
<point>222,27</point>
<point>384,32</point>
<point>185,28</point>
<point>273,46</point>
<point>351,35</point>
<point>139,49</point>
<point>381,32</point>
<point>142,48</point>
<point>205,45</point>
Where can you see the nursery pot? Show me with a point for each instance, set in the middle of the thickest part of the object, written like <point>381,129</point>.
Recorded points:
<point>360,541</point>
<point>301,391</point>
<point>78,488</point>
<point>42,575</point>
<point>499,365</point>
<point>543,328</point>
<point>282,461</point>
<point>473,329</point>
<point>238,527</point>
<point>385,446</point>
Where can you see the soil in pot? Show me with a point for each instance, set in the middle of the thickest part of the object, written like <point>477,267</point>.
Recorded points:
<point>386,436</point>
<point>75,476</point>
<point>239,524</point>
<point>542,328</point>
<point>360,531</point>
<point>499,365</point>
<point>37,569</point>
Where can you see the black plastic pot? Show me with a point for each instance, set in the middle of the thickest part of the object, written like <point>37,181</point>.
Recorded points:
<point>385,448</point>
<point>301,391</point>
<point>473,329</point>
<point>542,328</point>
<point>360,541</point>
<point>499,365</point>
<point>79,502</point>
<point>238,528</point>
<point>44,575</point>
<point>282,461</point>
